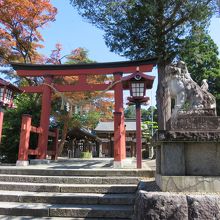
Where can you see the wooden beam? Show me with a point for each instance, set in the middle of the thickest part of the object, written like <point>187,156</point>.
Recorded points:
<point>51,134</point>
<point>86,71</point>
<point>68,88</point>
<point>33,152</point>
<point>37,130</point>
<point>81,87</point>
<point>32,89</point>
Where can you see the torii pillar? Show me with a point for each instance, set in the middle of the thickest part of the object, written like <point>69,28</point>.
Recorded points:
<point>119,125</point>
<point>45,118</point>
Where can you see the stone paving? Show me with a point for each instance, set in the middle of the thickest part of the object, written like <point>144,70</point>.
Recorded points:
<point>93,163</point>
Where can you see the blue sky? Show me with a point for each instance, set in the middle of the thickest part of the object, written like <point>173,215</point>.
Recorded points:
<point>72,31</point>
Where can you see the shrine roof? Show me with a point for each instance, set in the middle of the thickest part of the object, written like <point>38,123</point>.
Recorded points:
<point>9,85</point>
<point>108,126</point>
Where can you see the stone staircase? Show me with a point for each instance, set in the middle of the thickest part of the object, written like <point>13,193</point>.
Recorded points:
<point>68,194</point>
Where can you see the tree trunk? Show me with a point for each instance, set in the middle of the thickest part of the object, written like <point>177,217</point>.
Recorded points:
<point>64,134</point>
<point>163,98</point>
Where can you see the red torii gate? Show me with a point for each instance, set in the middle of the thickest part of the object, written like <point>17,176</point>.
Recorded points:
<point>49,72</point>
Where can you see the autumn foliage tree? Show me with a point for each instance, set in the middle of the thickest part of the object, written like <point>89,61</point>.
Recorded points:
<point>84,108</point>
<point>20,21</point>
<point>20,37</point>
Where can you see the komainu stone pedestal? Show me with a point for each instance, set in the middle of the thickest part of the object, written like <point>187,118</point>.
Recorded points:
<point>188,155</point>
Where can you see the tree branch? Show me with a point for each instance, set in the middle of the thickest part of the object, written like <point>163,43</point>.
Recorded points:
<point>183,19</point>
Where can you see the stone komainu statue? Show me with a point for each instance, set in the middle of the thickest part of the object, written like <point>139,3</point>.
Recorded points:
<point>189,97</point>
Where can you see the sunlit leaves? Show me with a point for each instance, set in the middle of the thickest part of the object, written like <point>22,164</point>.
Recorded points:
<point>201,55</point>
<point>20,21</point>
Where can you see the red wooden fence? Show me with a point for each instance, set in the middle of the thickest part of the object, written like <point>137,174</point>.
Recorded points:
<point>24,146</point>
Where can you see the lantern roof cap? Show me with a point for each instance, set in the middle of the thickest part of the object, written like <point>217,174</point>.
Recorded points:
<point>9,85</point>
<point>141,76</point>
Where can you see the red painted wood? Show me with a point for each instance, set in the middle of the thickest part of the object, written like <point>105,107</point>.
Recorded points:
<point>33,152</point>
<point>81,87</point>
<point>138,136</point>
<point>45,118</point>
<point>36,130</point>
<point>32,89</point>
<point>24,137</point>
<point>70,88</point>
<point>51,134</point>
<point>119,126</point>
<point>1,123</point>
<point>89,71</point>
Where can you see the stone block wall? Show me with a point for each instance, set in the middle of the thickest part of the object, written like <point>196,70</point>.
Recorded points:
<point>188,159</point>
<point>173,206</point>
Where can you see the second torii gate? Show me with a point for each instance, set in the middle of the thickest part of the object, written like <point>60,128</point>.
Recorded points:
<point>49,72</point>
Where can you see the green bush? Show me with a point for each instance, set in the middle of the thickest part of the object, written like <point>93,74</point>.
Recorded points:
<point>145,154</point>
<point>26,104</point>
<point>86,154</point>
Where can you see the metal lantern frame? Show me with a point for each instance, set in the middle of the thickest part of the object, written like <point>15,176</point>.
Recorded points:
<point>140,82</point>
<point>137,87</point>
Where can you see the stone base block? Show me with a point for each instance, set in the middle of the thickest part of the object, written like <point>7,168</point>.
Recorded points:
<point>128,163</point>
<point>22,163</point>
<point>188,158</point>
<point>118,164</point>
<point>188,183</point>
<point>39,161</point>
<point>169,205</point>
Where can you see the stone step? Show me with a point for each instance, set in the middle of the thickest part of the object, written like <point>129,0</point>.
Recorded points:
<point>67,198</point>
<point>58,210</point>
<point>8,217</point>
<point>68,188</point>
<point>77,172</point>
<point>69,179</point>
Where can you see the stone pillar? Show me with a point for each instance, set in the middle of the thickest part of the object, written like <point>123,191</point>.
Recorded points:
<point>158,159</point>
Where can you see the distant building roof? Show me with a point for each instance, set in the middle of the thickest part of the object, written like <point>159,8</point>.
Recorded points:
<point>109,126</point>
<point>9,85</point>
<point>82,133</point>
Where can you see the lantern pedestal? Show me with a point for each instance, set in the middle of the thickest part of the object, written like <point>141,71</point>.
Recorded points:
<point>137,103</point>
